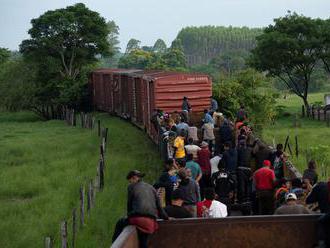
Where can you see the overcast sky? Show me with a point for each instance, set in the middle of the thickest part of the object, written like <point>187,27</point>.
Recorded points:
<point>148,20</point>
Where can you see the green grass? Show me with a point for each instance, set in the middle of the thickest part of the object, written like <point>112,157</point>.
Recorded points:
<point>42,166</point>
<point>313,136</point>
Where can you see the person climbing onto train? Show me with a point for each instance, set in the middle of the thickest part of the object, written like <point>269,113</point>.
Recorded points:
<point>175,209</point>
<point>210,207</point>
<point>143,208</point>
<point>186,108</point>
<point>310,173</point>
<point>291,206</point>
<point>179,150</point>
<point>204,156</point>
<point>264,181</point>
<point>190,192</point>
<point>193,149</point>
<point>241,114</point>
<point>208,135</point>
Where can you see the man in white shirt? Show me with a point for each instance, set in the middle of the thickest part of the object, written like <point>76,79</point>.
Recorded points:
<point>214,163</point>
<point>192,149</point>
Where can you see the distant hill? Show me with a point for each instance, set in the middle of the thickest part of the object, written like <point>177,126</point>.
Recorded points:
<point>201,44</point>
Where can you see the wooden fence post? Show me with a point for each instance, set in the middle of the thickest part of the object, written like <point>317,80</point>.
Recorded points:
<point>82,206</point>
<point>48,242</point>
<point>106,135</point>
<point>99,128</point>
<point>302,111</point>
<point>101,174</point>
<point>91,184</point>
<point>74,226</point>
<point>297,147</point>
<point>64,234</point>
<point>286,142</point>
<point>93,122</point>
<point>318,114</point>
<point>313,113</point>
<point>328,120</point>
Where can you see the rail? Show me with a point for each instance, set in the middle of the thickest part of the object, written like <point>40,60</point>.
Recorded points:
<point>247,231</point>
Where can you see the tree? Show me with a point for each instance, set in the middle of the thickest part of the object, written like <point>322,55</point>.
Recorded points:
<point>132,44</point>
<point>175,59</point>
<point>250,88</point>
<point>4,55</point>
<point>325,43</point>
<point>289,50</point>
<point>112,38</point>
<point>64,43</point>
<point>160,46</point>
<point>137,59</point>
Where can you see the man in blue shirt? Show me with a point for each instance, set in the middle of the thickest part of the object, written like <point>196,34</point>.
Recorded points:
<point>208,118</point>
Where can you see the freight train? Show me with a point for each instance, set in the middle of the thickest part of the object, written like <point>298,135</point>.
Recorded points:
<point>135,94</point>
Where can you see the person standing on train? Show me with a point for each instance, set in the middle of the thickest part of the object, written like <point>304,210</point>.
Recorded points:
<point>214,106</point>
<point>179,150</point>
<point>186,108</point>
<point>264,179</point>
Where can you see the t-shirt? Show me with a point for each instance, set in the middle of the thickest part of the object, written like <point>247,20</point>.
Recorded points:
<point>177,212</point>
<point>193,149</point>
<point>208,118</point>
<point>192,133</point>
<point>204,160</point>
<point>211,209</point>
<point>179,144</point>
<point>208,133</point>
<point>264,179</point>
<point>292,209</point>
<point>182,126</point>
<point>214,164</point>
<point>195,169</point>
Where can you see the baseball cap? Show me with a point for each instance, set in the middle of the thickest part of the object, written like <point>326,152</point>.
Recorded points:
<point>204,144</point>
<point>133,173</point>
<point>290,196</point>
<point>267,163</point>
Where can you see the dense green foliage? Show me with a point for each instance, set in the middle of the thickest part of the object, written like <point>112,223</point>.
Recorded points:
<point>43,165</point>
<point>251,89</point>
<point>201,44</point>
<point>63,46</point>
<point>4,55</point>
<point>290,50</point>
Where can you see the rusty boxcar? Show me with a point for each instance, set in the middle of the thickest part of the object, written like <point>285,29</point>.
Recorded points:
<point>134,94</point>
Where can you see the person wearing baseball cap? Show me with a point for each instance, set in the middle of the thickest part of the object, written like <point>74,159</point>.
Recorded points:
<point>291,206</point>
<point>264,179</point>
<point>143,208</point>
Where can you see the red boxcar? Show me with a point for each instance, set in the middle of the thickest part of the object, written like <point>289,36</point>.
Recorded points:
<point>135,94</point>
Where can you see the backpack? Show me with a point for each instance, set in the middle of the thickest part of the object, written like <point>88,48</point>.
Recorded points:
<point>223,183</point>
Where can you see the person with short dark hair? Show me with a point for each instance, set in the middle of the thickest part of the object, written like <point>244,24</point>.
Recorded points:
<point>214,105</point>
<point>143,208</point>
<point>207,117</point>
<point>179,150</point>
<point>225,135</point>
<point>192,149</point>
<point>291,206</point>
<point>241,114</point>
<point>186,108</point>
<point>175,210</point>
<point>195,169</point>
<point>209,207</point>
<point>204,156</point>
<point>264,180</point>
<point>310,173</point>
<point>190,192</point>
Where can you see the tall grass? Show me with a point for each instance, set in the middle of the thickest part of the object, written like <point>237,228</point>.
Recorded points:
<point>42,166</point>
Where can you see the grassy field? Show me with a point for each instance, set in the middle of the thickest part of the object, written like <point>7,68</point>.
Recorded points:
<point>42,166</point>
<point>313,136</point>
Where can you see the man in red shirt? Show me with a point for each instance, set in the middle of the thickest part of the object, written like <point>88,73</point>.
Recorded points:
<point>264,179</point>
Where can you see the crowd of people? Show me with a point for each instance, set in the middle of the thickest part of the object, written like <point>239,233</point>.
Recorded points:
<point>218,173</point>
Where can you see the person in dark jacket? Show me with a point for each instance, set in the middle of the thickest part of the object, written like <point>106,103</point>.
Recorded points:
<point>190,192</point>
<point>311,173</point>
<point>175,210</point>
<point>143,208</point>
<point>225,134</point>
<point>230,157</point>
<point>319,193</point>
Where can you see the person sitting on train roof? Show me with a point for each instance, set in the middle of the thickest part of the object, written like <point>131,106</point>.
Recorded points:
<point>291,206</point>
<point>175,210</point>
<point>211,208</point>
